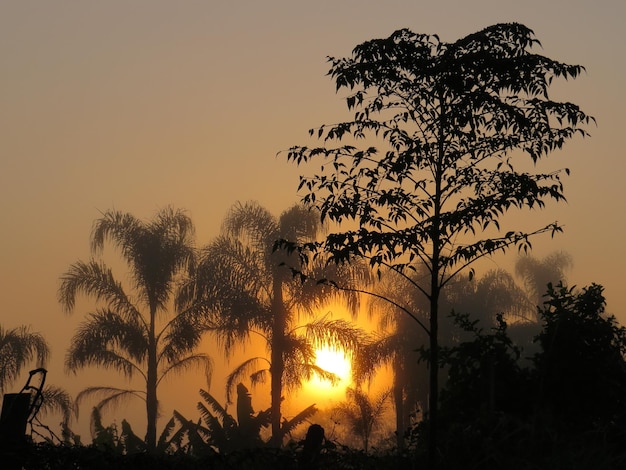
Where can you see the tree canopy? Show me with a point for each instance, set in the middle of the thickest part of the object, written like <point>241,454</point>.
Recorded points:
<point>454,120</point>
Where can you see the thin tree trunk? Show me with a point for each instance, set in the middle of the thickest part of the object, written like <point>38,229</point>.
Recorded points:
<point>398,399</point>
<point>433,398</point>
<point>151,387</point>
<point>278,366</point>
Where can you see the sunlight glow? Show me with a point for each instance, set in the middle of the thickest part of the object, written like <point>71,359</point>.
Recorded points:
<point>337,362</point>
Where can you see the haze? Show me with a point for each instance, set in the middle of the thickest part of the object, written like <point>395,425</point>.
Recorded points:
<point>138,105</point>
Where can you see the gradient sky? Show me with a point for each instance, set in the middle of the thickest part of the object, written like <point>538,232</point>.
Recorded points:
<point>139,104</point>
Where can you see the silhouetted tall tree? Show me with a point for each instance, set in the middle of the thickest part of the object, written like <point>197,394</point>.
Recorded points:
<point>244,286</point>
<point>133,334</point>
<point>455,120</point>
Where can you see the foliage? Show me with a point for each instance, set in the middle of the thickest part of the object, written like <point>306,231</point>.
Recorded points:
<point>362,413</point>
<point>49,457</point>
<point>564,411</point>
<point>454,119</point>
<point>19,347</point>
<point>582,369</point>
<point>538,273</point>
<point>219,431</point>
<point>242,287</point>
<point>131,334</point>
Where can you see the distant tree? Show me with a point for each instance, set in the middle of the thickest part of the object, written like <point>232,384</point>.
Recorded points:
<point>483,299</point>
<point>363,413</point>
<point>18,348</point>
<point>244,287</point>
<point>454,119</point>
<point>132,334</point>
<point>538,273</point>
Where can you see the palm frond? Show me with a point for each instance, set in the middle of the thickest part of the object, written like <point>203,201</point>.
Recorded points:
<point>248,367</point>
<point>180,336</point>
<point>105,339</point>
<point>335,334</point>
<point>195,361</point>
<point>376,353</point>
<point>253,223</point>
<point>215,405</point>
<point>18,347</point>
<point>109,397</point>
<point>95,279</point>
<point>287,426</point>
<point>58,400</point>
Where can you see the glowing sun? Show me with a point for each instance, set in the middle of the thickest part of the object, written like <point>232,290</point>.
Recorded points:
<point>337,362</point>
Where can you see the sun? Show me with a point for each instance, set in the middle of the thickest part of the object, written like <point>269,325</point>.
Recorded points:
<point>337,362</point>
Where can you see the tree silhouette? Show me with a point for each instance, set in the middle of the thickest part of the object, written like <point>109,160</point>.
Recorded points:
<point>482,298</point>
<point>363,413</point>
<point>134,335</point>
<point>19,347</point>
<point>538,273</point>
<point>455,120</point>
<point>243,286</point>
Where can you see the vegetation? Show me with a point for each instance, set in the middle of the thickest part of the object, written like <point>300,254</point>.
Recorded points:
<point>509,385</point>
<point>363,414</point>
<point>455,119</point>
<point>242,286</point>
<point>18,348</point>
<point>125,333</point>
<point>560,412</point>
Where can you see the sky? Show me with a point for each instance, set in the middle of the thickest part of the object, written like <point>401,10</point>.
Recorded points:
<point>135,105</point>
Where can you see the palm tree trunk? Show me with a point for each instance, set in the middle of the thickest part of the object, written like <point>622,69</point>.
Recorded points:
<point>278,364</point>
<point>398,399</point>
<point>151,386</point>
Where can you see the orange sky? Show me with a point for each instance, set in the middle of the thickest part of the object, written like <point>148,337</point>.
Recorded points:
<point>139,104</point>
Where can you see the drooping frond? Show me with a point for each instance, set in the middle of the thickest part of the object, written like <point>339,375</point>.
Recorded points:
<point>186,434</point>
<point>105,339</point>
<point>232,292</point>
<point>215,405</point>
<point>538,273</point>
<point>298,224</point>
<point>254,224</point>
<point>109,397</point>
<point>95,279</point>
<point>19,347</point>
<point>181,336</point>
<point>58,400</point>
<point>376,353</point>
<point>288,425</point>
<point>335,334</point>
<point>196,361</point>
<point>239,373</point>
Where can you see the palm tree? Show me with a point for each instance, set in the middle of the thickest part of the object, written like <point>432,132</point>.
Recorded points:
<point>244,284</point>
<point>363,413</point>
<point>19,347</point>
<point>538,273</point>
<point>134,335</point>
<point>484,298</point>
